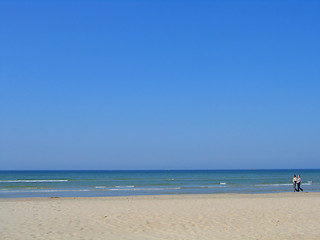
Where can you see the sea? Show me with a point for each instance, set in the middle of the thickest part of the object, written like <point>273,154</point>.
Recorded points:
<point>28,184</point>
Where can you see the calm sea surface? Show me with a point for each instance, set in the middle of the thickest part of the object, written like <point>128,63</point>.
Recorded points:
<point>17,184</point>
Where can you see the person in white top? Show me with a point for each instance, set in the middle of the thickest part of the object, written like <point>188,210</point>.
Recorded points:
<point>299,183</point>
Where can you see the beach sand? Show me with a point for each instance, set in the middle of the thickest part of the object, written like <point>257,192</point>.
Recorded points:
<point>216,216</point>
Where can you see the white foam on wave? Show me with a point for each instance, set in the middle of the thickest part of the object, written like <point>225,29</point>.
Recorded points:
<point>131,186</point>
<point>55,190</point>
<point>99,187</point>
<point>307,183</point>
<point>223,183</point>
<point>29,181</point>
<point>211,186</point>
<point>217,185</point>
<point>273,185</point>
<point>282,184</point>
<point>143,189</point>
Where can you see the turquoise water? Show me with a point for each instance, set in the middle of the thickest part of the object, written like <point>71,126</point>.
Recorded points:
<point>17,184</point>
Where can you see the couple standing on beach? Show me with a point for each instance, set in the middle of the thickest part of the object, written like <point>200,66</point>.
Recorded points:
<point>296,183</point>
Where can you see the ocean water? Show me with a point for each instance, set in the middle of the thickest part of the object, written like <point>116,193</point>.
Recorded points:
<point>18,184</point>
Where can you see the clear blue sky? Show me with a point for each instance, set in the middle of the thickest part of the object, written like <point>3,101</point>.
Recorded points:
<point>159,84</point>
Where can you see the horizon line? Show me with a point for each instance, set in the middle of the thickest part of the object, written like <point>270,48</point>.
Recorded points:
<point>221,169</point>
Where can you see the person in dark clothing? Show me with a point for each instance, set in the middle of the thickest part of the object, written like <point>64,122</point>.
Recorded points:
<point>299,183</point>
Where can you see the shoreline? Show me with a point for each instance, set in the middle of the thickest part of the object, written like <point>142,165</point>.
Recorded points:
<point>165,196</point>
<point>192,216</point>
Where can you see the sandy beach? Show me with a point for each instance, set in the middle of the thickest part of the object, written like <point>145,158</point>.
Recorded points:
<point>223,216</point>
